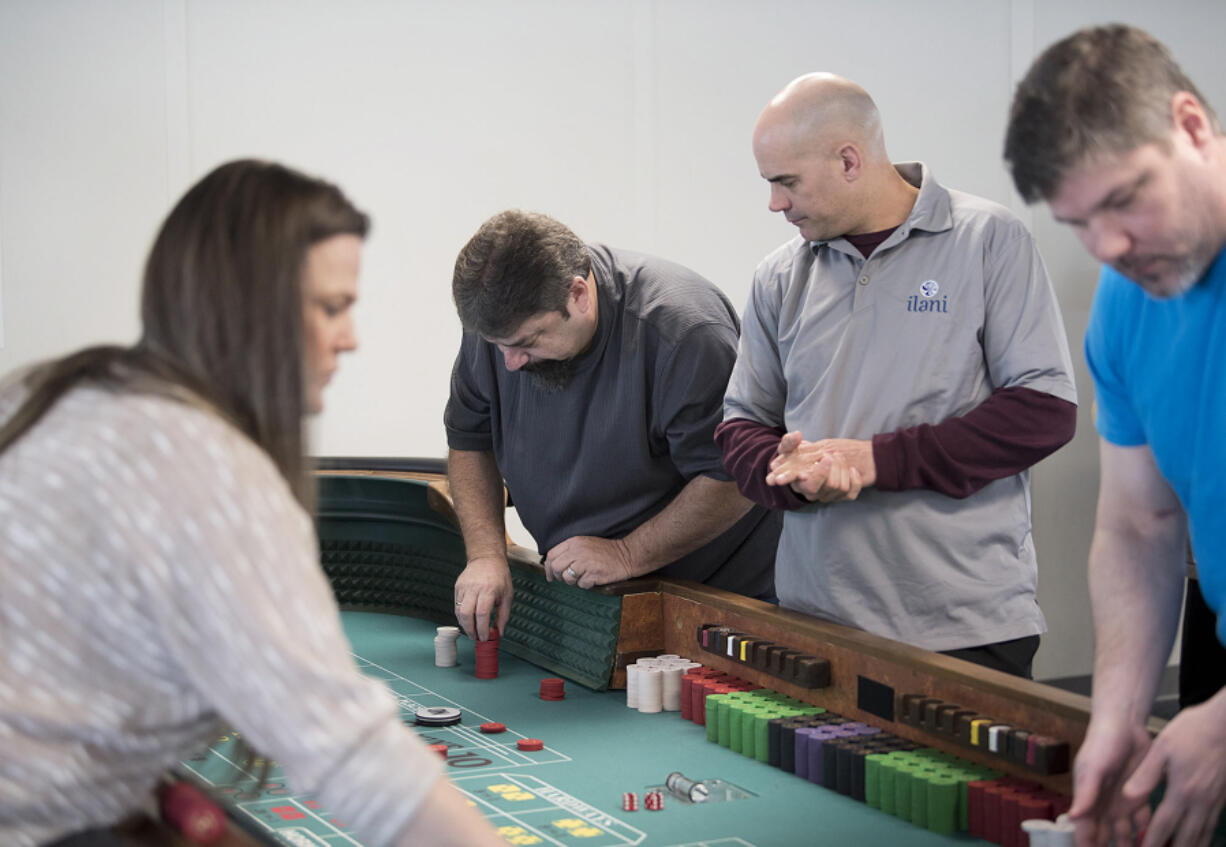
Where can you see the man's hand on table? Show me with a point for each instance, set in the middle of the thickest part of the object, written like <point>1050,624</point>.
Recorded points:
<point>586,561</point>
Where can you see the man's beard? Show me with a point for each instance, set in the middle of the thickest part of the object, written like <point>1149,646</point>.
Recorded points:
<point>551,374</point>
<point>1181,274</point>
<point>1182,258</point>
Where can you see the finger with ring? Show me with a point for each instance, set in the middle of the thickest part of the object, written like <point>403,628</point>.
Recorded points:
<point>572,573</point>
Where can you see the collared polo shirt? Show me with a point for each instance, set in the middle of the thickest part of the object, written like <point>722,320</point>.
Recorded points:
<point>953,305</point>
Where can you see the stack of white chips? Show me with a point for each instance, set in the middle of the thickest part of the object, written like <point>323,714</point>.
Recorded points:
<point>444,646</point>
<point>654,683</point>
<point>1057,833</point>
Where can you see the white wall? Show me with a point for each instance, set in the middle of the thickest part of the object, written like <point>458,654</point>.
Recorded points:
<point>630,121</point>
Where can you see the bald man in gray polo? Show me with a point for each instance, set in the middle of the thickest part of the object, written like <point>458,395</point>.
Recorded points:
<point>902,363</point>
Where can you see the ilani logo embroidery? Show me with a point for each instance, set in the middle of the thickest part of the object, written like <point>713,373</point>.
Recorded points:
<point>928,302</point>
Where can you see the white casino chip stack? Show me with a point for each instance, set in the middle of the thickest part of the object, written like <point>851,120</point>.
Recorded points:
<point>1057,833</point>
<point>445,654</point>
<point>632,686</point>
<point>1062,833</point>
<point>650,685</point>
<point>675,668</point>
<point>1038,831</point>
<point>670,687</point>
<point>654,683</point>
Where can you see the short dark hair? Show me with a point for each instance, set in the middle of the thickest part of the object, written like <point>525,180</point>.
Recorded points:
<point>1103,89</point>
<point>518,265</point>
<point>221,310</point>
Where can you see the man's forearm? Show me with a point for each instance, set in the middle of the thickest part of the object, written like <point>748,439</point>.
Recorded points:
<point>1136,585</point>
<point>477,492</point>
<point>748,448</point>
<point>699,513</point>
<point>1005,434</point>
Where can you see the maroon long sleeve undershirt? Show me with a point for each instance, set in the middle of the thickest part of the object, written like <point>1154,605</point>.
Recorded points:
<point>1005,434</point>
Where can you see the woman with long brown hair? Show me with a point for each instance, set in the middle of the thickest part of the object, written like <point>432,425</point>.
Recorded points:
<point>159,573</point>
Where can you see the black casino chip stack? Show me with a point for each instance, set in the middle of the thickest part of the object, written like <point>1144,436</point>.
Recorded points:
<point>487,656</point>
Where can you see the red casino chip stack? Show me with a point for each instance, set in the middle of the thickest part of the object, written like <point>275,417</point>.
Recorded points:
<point>487,656</point>
<point>630,801</point>
<point>653,801</point>
<point>553,688</point>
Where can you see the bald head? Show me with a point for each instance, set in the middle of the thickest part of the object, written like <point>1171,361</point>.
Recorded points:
<point>819,144</point>
<point>818,112</point>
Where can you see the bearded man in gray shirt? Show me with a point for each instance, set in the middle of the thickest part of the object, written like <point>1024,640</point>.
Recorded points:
<point>903,364</point>
<point>591,380</point>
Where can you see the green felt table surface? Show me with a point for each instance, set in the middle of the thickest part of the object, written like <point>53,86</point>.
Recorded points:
<point>570,793</point>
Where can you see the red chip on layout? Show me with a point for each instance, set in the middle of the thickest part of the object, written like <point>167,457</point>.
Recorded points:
<point>493,726</point>
<point>553,688</point>
<point>530,744</point>
<point>190,811</point>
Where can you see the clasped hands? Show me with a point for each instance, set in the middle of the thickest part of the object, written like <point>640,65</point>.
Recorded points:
<point>825,471</point>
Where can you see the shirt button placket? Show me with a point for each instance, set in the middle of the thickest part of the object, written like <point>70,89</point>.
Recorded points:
<point>861,286</point>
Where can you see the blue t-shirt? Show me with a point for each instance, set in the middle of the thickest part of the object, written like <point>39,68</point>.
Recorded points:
<point>1159,369</point>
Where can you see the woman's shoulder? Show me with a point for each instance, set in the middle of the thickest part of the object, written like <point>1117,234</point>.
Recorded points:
<point>161,440</point>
